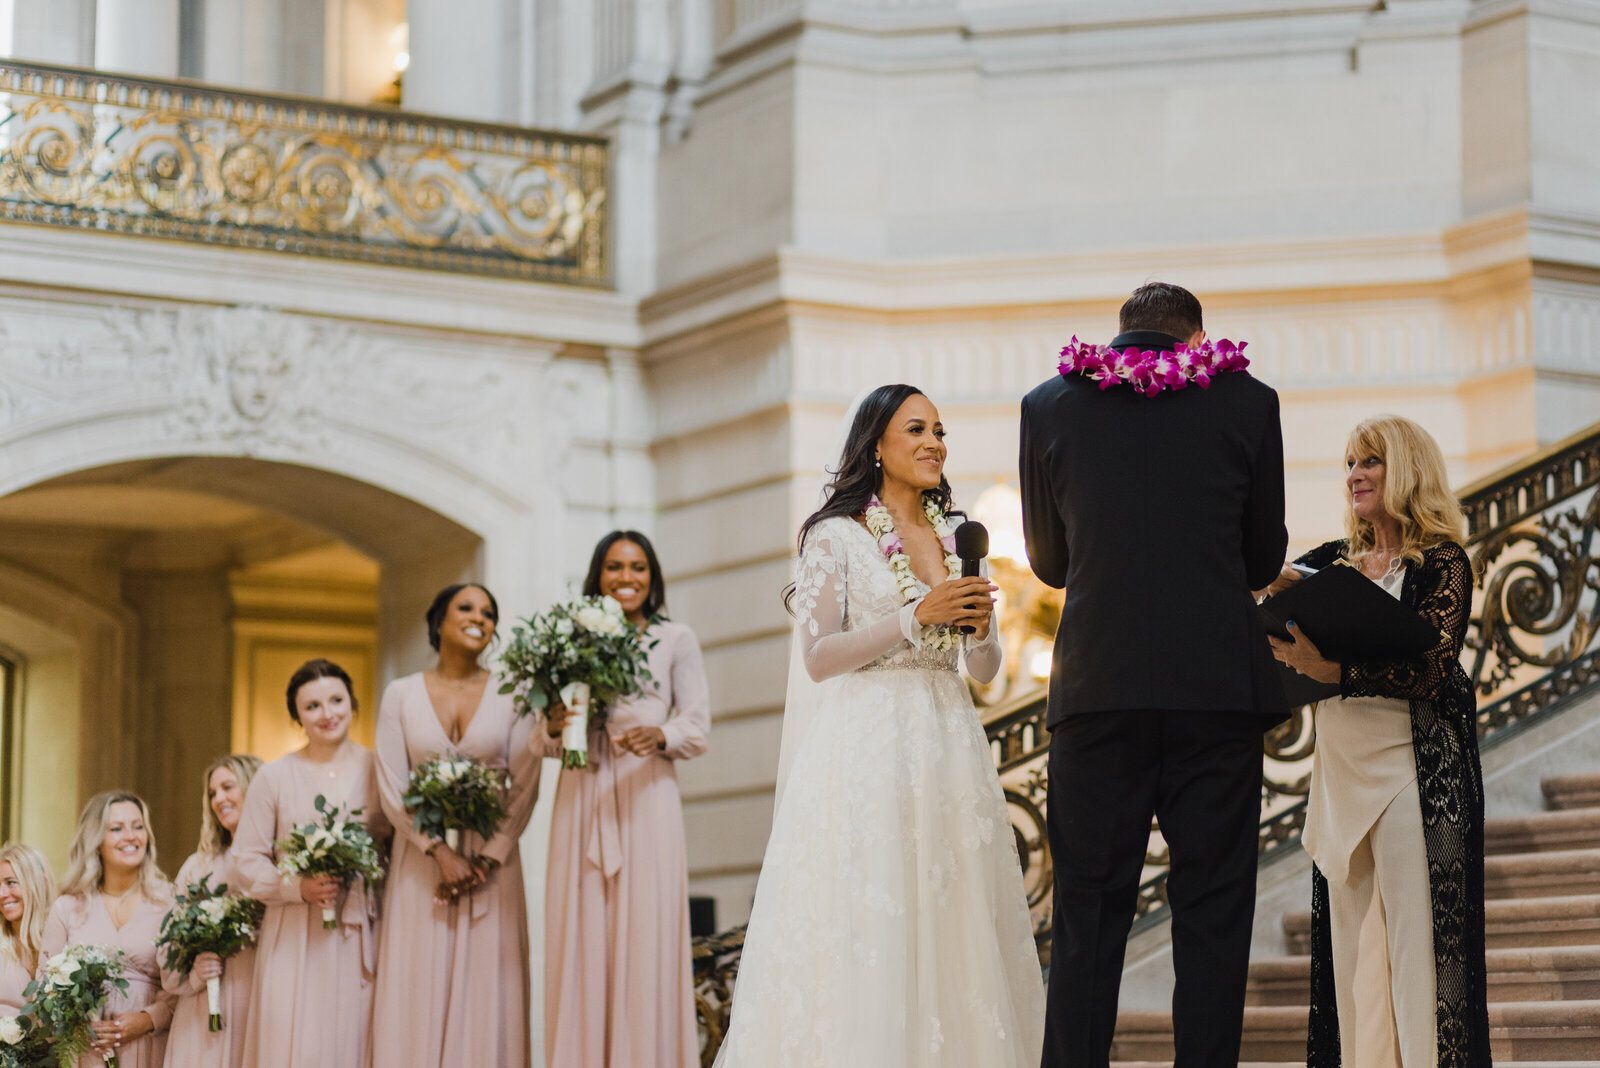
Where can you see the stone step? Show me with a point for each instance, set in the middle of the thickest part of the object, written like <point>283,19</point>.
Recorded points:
<point>1560,973</point>
<point>1511,924</point>
<point>1557,873</point>
<point>1572,791</point>
<point>1540,832</point>
<point>1518,1031</point>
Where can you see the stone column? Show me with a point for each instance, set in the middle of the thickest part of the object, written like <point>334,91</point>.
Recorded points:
<point>54,31</point>
<point>464,58</point>
<point>137,37</point>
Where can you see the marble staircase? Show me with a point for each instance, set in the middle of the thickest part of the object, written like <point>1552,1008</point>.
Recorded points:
<point>1542,884</point>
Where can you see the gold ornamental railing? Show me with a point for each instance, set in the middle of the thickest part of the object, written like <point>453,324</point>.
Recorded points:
<point>96,152</point>
<point>1533,532</point>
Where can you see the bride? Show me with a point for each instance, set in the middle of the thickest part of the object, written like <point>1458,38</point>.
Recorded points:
<point>890,927</point>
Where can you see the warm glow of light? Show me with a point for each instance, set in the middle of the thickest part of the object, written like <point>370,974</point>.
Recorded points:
<point>400,42</point>
<point>1000,509</point>
<point>1043,660</point>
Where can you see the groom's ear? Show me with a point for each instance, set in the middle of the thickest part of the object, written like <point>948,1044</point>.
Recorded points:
<point>1197,339</point>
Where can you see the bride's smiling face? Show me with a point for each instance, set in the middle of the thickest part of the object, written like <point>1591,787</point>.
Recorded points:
<point>912,449</point>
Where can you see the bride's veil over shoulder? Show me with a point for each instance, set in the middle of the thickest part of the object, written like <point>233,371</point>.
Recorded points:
<point>800,702</point>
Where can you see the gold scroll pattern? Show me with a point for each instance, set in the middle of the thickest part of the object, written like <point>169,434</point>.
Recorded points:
<point>90,151</point>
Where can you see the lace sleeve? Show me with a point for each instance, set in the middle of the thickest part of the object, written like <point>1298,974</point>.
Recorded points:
<point>1445,600</point>
<point>821,584</point>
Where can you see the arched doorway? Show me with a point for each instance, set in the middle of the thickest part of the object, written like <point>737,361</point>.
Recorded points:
<point>151,610</point>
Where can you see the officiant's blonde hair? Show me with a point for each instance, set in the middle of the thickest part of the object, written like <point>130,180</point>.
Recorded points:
<point>1416,488</point>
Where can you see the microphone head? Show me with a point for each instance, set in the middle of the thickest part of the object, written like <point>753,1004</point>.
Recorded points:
<point>972,540</point>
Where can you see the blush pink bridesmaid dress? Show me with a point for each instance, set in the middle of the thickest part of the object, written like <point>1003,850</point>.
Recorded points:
<point>190,1042</point>
<point>452,986</point>
<point>77,920</point>
<point>14,979</point>
<point>619,991</point>
<point>311,1000</point>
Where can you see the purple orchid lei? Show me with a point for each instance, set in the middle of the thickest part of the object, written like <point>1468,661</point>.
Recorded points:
<point>1151,372</point>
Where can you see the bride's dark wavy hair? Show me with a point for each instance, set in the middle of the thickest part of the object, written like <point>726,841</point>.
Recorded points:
<point>858,476</point>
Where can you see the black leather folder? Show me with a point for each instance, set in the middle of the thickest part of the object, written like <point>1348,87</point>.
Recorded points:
<point>1348,617</point>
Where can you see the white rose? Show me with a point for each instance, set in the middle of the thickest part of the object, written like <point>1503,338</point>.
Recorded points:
<point>320,840</point>
<point>564,627</point>
<point>214,909</point>
<point>592,619</point>
<point>10,1030</point>
<point>612,606</point>
<point>61,969</point>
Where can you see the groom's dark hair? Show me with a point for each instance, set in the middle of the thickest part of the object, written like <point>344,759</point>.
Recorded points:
<point>1162,306</point>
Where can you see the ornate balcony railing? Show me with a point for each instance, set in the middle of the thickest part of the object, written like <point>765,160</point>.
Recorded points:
<point>90,151</point>
<point>1532,532</point>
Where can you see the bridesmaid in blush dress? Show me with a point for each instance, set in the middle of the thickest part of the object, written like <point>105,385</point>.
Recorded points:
<point>311,1002</point>
<point>619,992</point>
<point>452,984</point>
<point>26,891</point>
<point>191,1042</point>
<point>115,897</point>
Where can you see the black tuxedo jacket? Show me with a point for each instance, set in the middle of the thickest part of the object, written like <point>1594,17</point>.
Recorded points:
<point>1158,515</point>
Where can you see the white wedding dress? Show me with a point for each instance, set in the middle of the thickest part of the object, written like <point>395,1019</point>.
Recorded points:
<point>890,927</point>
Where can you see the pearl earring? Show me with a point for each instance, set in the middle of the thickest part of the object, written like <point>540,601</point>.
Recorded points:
<point>877,463</point>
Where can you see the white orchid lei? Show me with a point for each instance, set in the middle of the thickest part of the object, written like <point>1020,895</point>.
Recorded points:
<point>881,524</point>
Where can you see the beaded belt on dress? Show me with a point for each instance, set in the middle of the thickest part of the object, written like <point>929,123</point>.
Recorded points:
<point>923,659</point>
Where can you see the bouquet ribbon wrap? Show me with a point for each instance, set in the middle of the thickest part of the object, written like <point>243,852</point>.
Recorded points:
<point>214,1002</point>
<point>575,735</point>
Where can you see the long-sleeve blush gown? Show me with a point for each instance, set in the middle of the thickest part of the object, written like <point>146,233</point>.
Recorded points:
<point>311,1002</point>
<point>191,1043</point>
<point>76,921</point>
<point>890,927</point>
<point>452,983</point>
<point>14,979</point>
<point>619,991</point>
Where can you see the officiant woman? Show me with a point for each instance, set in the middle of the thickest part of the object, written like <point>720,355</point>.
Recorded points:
<point>618,986</point>
<point>1395,816</point>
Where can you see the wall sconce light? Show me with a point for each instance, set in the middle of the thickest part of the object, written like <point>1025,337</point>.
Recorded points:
<point>1031,610</point>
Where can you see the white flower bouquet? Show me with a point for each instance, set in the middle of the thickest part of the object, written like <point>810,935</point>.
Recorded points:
<point>208,920</point>
<point>586,653</point>
<point>448,795</point>
<point>69,995</point>
<point>23,1044</point>
<point>338,844</point>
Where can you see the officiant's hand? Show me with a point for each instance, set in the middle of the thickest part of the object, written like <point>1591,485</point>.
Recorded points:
<point>556,715</point>
<point>1286,578</point>
<point>1304,657</point>
<point>959,601</point>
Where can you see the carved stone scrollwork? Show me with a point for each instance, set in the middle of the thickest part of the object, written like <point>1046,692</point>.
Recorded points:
<point>173,160</point>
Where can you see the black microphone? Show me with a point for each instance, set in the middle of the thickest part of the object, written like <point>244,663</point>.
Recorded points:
<point>972,545</point>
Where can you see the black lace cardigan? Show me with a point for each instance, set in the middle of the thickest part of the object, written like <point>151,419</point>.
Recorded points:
<point>1444,739</point>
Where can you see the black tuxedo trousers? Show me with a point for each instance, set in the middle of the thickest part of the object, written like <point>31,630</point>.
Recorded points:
<point>1199,774</point>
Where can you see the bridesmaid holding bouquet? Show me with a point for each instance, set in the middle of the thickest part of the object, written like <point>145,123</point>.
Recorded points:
<point>26,891</point>
<point>311,1003</point>
<point>619,991</point>
<point>452,983</point>
<point>114,897</point>
<point>191,1042</point>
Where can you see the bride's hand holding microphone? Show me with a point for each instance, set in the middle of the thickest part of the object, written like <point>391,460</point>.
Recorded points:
<point>960,602</point>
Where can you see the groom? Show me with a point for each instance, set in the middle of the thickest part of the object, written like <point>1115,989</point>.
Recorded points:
<point>1158,515</point>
